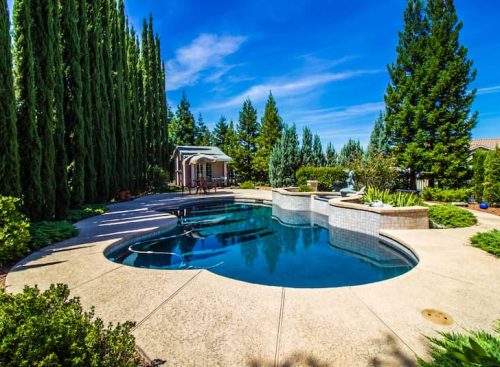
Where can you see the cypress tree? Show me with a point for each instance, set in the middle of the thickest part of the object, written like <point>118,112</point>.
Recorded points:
<point>202,134</point>
<point>185,128</point>
<point>61,161</point>
<point>403,117</point>
<point>491,186</point>
<point>446,98</point>
<point>247,134</point>
<point>29,142</point>
<point>285,158</point>
<point>478,175</point>
<point>141,133</point>
<point>306,151</point>
<point>317,152</point>
<point>73,111</point>
<point>127,143</point>
<point>9,149</point>
<point>331,156</point>
<point>271,126</point>
<point>87,106</point>
<point>153,88</point>
<point>378,139</point>
<point>350,152</point>
<point>134,132</point>
<point>43,53</point>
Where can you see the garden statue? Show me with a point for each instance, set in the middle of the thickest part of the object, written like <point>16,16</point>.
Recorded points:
<point>350,184</point>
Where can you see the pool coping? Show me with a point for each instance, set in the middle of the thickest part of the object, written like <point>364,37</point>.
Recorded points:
<point>273,324</point>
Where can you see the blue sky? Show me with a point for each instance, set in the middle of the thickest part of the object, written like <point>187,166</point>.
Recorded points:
<point>325,61</point>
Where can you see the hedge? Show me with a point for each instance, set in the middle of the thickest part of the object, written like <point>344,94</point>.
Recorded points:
<point>450,216</point>
<point>446,195</point>
<point>14,231</point>
<point>487,241</point>
<point>325,176</point>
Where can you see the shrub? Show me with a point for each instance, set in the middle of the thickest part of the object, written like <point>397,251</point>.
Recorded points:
<point>14,231</point>
<point>76,215</point>
<point>45,233</point>
<point>487,241</point>
<point>305,188</point>
<point>375,170</point>
<point>247,185</point>
<point>398,199</point>
<point>451,216</point>
<point>491,185</point>
<point>478,348</point>
<point>49,329</point>
<point>325,176</point>
<point>478,173</point>
<point>446,195</point>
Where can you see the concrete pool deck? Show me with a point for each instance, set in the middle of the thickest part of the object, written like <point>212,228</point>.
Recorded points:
<point>197,318</point>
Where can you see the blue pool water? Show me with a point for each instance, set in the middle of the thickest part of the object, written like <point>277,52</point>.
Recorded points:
<point>267,245</point>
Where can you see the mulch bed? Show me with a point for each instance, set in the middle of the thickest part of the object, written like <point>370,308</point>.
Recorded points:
<point>494,211</point>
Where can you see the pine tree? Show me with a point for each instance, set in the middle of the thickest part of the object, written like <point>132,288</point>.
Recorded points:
<point>350,152</point>
<point>61,160</point>
<point>9,149</point>
<point>232,145</point>
<point>202,134</point>
<point>185,126</point>
<point>43,54</point>
<point>330,156</point>
<point>29,141</point>
<point>247,137</point>
<point>73,110</point>
<point>491,186</point>
<point>446,98</point>
<point>219,134</point>
<point>271,126</point>
<point>306,151</point>
<point>404,118</point>
<point>87,107</point>
<point>285,159</point>
<point>378,139</point>
<point>478,175</point>
<point>318,157</point>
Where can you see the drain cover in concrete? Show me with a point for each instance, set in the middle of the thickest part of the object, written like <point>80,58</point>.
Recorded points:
<point>437,317</point>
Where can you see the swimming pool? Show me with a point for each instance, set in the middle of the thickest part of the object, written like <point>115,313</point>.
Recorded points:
<point>267,245</point>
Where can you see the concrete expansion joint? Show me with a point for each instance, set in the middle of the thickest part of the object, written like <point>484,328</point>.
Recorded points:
<point>280,324</point>
<point>168,299</point>
<point>382,321</point>
<point>97,277</point>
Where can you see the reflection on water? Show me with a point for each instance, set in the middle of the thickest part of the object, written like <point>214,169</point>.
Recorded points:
<point>267,245</point>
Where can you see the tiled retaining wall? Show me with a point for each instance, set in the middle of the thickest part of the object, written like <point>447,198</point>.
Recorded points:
<point>346,213</point>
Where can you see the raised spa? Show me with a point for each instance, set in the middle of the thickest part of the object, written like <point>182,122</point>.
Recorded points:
<point>267,245</point>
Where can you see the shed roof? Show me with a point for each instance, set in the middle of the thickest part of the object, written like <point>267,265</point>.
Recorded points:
<point>488,144</point>
<point>217,153</point>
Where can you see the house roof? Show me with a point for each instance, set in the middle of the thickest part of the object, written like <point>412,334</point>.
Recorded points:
<point>186,151</point>
<point>488,144</point>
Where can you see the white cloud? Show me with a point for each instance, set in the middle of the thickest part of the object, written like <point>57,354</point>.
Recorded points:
<point>204,53</point>
<point>339,114</point>
<point>287,87</point>
<point>488,90</point>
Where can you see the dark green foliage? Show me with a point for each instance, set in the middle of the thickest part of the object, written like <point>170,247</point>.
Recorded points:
<point>491,185</point>
<point>478,173</point>
<point>305,188</point>
<point>377,171</point>
<point>397,199</point>
<point>446,195</point>
<point>318,157</point>
<point>306,149</point>
<point>476,348</point>
<point>325,176</point>
<point>50,329</point>
<point>247,141</point>
<point>87,211</point>
<point>43,14</point>
<point>44,233</point>
<point>14,231</point>
<point>184,120</point>
<point>246,185</point>
<point>428,102</point>
<point>202,135</point>
<point>28,139</point>
<point>488,241</point>
<point>379,142</point>
<point>271,126</point>
<point>219,133</point>
<point>350,153</point>
<point>450,216</point>
<point>9,149</point>
<point>285,159</point>
<point>330,156</point>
